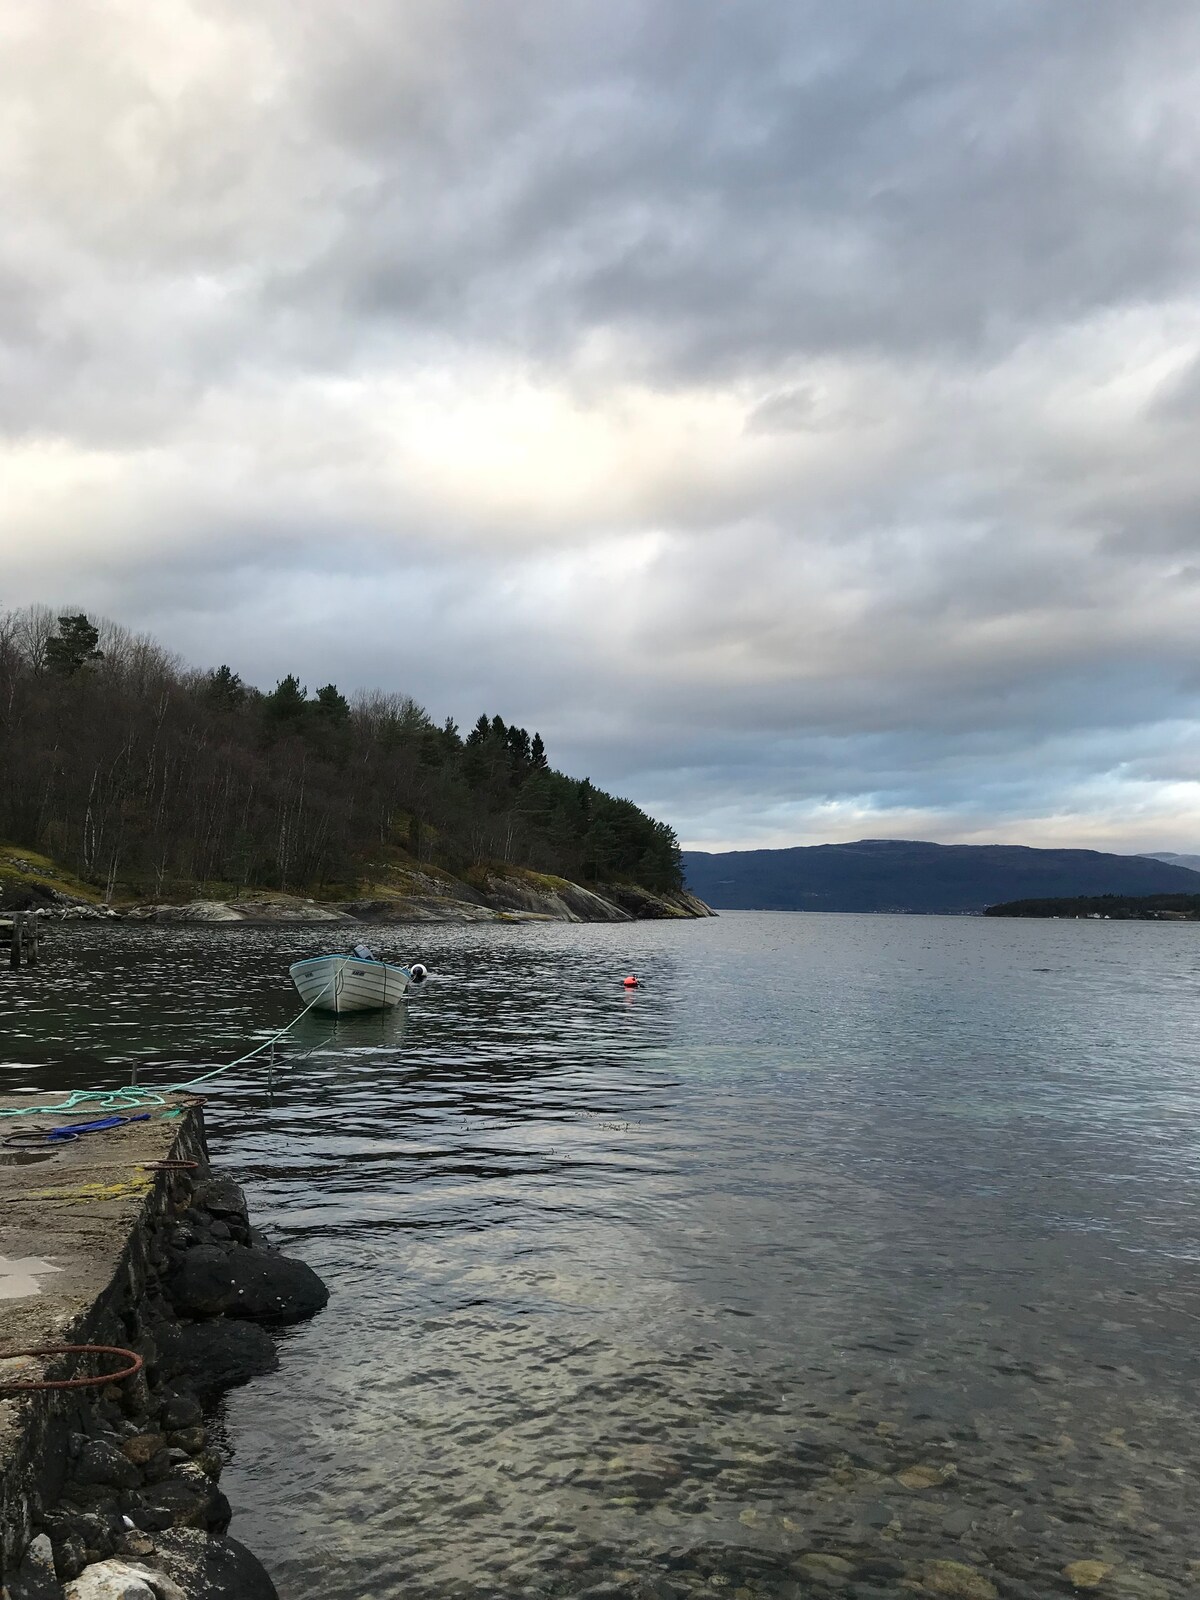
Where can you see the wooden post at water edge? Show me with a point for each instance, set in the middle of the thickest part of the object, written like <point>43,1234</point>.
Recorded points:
<point>24,936</point>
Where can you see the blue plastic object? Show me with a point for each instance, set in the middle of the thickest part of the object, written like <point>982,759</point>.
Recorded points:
<point>75,1129</point>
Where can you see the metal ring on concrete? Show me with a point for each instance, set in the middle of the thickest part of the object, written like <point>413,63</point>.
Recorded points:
<point>27,1138</point>
<point>12,1387</point>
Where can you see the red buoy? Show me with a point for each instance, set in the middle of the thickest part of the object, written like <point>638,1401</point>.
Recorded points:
<point>631,982</point>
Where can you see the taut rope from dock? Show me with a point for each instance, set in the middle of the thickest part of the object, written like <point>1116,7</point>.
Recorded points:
<point>136,1097</point>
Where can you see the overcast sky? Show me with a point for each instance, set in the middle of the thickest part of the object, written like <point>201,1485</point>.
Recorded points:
<point>792,410</point>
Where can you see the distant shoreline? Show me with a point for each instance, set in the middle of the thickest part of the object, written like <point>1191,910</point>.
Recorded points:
<point>1105,908</point>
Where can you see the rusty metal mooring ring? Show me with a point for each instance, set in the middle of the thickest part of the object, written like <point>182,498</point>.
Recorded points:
<point>27,1138</point>
<point>12,1387</point>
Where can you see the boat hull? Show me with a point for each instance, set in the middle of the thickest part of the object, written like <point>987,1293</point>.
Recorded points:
<point>343,984</point>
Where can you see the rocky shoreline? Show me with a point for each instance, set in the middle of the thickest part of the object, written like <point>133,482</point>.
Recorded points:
<point>574,904</point>
<point>398,895</point>
<point>570,904</point>
<point>125,1503</point>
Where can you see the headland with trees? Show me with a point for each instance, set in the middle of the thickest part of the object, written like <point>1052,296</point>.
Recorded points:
<point>147,778</point>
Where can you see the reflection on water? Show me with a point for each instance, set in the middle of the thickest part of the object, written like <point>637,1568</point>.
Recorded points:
<point>847,1254</point>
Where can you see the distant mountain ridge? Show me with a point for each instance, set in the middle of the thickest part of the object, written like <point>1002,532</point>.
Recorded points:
<point>1175,860</point>
<point>918,876</point>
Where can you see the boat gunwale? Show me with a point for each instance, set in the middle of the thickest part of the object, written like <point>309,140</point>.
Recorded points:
<point>360,961</point>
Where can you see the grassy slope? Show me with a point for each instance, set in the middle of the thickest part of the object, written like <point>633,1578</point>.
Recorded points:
<point>25,869</point>
<point>392,874</point>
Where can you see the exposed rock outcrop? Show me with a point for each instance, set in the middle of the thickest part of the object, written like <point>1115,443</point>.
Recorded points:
<point>547,896</point>
<point>277,908</point>
<point>655,905</point>
<point>32,882</point>
<point>514,894</point>
<point>409,908</point>
<point>192,911</point>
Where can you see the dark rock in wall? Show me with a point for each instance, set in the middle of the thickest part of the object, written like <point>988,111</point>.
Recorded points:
<point>190,1499</point>
<point>180,1411</point>
<point>100,1462</point>
<point>218,1355</point>
<point>202,1284</point>
<point>239,1282</point>
<point>37,1579</point>
<point>221,1196</point>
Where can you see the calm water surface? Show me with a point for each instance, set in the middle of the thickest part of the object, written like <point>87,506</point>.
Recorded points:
<point>845,1247</point>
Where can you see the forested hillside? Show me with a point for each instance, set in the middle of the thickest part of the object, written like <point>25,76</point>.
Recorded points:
<point>144,775</point>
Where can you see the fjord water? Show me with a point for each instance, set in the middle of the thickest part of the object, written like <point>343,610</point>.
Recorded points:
<point>844,1247</point>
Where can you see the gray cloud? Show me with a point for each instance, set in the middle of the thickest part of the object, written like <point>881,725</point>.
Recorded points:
<point>788,408</point>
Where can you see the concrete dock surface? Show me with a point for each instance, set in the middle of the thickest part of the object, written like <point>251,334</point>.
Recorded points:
<point>67,1212</point>
<point>124,1238</point>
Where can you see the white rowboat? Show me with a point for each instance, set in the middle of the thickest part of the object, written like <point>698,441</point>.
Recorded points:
<point>347,983</point>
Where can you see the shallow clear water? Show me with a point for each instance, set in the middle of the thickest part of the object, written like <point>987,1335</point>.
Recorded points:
<point>675,1289</point>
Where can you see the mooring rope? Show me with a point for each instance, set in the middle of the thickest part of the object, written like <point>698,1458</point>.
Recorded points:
<point>13,1386</point>
<point>182,1088</point>
<point>136,1097</point>
<point>127,1097</point>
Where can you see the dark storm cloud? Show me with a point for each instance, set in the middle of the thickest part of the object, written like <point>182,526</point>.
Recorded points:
<point>788,408</point>
<point>733,186</point>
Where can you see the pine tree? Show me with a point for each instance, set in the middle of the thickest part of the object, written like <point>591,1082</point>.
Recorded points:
<point>73,647</point>
<point>225,689</point>
<point>329,703</point>
<point>287,700</point>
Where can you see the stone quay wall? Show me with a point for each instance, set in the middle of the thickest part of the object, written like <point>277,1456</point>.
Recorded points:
<point>111,1492</point>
